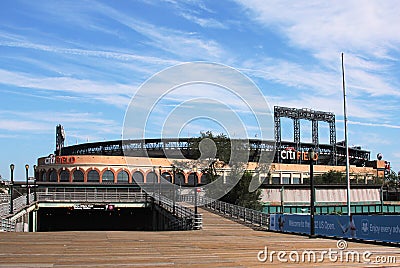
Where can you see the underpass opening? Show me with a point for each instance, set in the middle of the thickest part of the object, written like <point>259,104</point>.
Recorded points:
<point>106,219</point>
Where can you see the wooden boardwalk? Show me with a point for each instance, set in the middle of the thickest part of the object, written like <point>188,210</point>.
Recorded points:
<point>222,243</point>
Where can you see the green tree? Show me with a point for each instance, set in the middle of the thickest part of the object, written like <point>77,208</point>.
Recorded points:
<point>330,177</point>
<point>240,195</point>
<point>221,141</point>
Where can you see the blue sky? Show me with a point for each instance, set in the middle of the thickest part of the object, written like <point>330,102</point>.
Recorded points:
<point>78,63</point>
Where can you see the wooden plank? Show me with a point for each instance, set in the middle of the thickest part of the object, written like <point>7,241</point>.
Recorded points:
<point>221,243</point>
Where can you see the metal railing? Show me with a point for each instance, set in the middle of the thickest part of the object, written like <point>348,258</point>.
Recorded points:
<point>246,215</point>
<point>122,197</point>
<point>7,225</point>
<point>4,209</point>
<point>18,204</point>
<point>186,219</point>
<point>4,198</point>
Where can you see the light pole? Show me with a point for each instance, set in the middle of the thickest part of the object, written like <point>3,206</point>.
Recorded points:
<point>311,155</point>
<point>154,182</point>
<point>173,187</point>
<point>194,169</point>
<point>34,183</point>
<point>12,189</point>
<point>27,186</point>
<point>159,185</point>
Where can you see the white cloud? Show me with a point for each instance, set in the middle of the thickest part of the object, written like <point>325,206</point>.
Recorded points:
<point>79,126</point>
<point>19,126</point>
<point>91,53</point>
<point>204,22</point>
<point>364,31</point>
<point>116,94</point>
<point>176,42</point>
<point>374,124</point>
<point>324,25</point>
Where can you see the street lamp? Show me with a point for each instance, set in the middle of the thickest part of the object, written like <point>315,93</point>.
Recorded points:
<point>173,187</point>
<point>12,188</point>
<point>194,169</point>
<point>27,186</point>
<point>34,183</point>
<point>154,176</point>
<point>159,184</point>
<point>311,155</point>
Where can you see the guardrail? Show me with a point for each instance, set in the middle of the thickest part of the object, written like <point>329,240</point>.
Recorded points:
<point>18,204</point>
<point>4,198</point>
<point>186,219</point>
<point>93,197</point>
<point>4,209</point>
<point>246,215</point>
<point>7,225</point>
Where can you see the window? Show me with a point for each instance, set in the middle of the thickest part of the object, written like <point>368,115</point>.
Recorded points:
<point>93,176</point>
<point>123,177</point>
<point>206,178</point>
<point>179,178</point>
<point>152,177</point>
<point>192,178</point>
<point>166,177</point>
<point>44,177</point>
<point>137,177</point>
<point>108,177</point>
<point>77,176</point>
<point>53,175</point>
<point>64,176</point>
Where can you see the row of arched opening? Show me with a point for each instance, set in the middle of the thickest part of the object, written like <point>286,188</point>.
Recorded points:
<point>121,176</point>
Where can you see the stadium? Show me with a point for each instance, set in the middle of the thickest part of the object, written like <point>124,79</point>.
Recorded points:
<point>107,162</point>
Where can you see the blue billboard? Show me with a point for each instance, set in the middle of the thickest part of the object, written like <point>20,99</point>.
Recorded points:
<point>366,227</point>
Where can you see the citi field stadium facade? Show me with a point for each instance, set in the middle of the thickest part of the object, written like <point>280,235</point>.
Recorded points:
<point>105,163</point>
<point>144,160</point>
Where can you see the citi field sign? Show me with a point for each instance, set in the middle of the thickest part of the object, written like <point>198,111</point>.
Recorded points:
<point>51,159</point>
<point>292,154</point>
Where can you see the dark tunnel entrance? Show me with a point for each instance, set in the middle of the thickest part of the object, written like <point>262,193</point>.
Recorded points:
<point>121,219</point>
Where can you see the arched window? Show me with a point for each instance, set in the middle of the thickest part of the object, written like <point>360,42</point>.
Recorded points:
<point>93,176</point>
<point>192,178</point>
<point>123,177</point>
<point>152,177</point>
<point>179,178</point>
<point>108,177</point>
<point>64,176</point>
<point>166,177</point>
<point>44,177</point>
<point>77,176</point>
<point>53,175</point>
<point>137,177</point>
<point>205,178</point>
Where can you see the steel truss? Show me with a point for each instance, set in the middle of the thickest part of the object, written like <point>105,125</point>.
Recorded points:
<point>307,114</point>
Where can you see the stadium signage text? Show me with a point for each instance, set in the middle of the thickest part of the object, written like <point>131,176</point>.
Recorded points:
<point>296,155</point>
<point>59,160</point>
